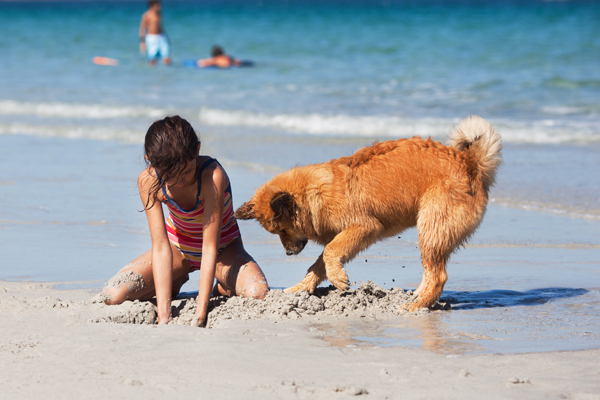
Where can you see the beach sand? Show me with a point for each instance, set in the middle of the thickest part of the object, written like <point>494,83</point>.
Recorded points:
<point>51,348</point>
<point>523,292</point>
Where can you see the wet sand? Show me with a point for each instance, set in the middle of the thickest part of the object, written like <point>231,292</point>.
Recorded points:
<point>369,301</point>
<point>527,282</point>
<point>50,347</point>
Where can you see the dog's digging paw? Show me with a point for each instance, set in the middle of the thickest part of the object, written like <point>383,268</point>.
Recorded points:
<point>339,279</point>
<point>298,288</point>
<point>342,286</point>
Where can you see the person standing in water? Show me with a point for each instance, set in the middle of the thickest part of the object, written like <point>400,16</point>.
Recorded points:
<point>153,41</point>
<point>200,234</point>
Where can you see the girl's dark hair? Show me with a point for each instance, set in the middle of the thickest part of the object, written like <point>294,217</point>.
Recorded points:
<point>169,145</point>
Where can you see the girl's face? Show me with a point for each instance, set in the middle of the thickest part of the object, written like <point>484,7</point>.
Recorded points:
<point>185,177</point>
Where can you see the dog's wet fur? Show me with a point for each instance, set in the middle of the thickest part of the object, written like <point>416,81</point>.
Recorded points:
<point>349,203</point>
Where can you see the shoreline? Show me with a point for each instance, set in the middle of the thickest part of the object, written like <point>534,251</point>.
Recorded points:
<point>48,348</point>
<point>366,315</point>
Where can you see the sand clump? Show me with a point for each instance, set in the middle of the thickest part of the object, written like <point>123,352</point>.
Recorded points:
<point>369,300</point>
<point>133,280</point>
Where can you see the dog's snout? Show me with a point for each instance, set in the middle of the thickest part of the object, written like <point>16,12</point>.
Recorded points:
<point>289,252</point>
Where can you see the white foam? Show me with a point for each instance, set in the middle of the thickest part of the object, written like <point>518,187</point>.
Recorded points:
<point>540,131</point>
<point>552,208</point>
<point>537,131</point>
<point>565,110</point>
<point>74,132</point>
<point>65,110</point>
<point>545,131</point>
<point>341,124</point>
<point>548,131</point>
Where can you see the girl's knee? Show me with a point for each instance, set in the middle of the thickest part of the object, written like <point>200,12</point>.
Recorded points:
<point>114,295</point>
<point>124,286</point>
<point>255,289</point>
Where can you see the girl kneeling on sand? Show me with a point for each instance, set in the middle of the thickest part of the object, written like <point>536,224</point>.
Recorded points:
<point>201,232</point>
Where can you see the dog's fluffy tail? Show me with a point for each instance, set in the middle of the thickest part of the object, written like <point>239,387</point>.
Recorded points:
<point>478,137</point>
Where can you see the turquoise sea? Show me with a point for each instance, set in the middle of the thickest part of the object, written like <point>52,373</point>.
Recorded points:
<point>329,78</point>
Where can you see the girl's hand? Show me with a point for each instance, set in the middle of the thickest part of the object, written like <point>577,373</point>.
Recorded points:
<point>199,321</point>
<point>214,183</point>
<point>162,255</point>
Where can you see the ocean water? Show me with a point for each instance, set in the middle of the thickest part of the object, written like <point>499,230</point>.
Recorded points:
<point>353,71</point>
<point>330,77</point>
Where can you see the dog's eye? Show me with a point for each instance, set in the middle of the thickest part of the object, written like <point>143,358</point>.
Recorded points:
<point>283,231</point>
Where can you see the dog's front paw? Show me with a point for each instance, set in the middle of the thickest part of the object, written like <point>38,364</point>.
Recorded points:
<point>298,288</point>
<point>340,283</point>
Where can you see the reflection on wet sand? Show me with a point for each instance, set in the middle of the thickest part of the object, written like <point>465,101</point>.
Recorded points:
<point>427,332</point>
<point>496,321</point>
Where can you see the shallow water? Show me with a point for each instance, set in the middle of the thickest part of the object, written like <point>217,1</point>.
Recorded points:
<point>495,321</point>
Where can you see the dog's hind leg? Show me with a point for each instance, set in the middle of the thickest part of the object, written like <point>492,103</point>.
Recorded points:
<point>442,228</point>
<point>314,276</point>
<point>424,281</point>
<point>432,286</point>
<point>344,247</point>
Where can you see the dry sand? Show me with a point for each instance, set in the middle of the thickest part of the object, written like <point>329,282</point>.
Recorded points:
<point>51,347</point>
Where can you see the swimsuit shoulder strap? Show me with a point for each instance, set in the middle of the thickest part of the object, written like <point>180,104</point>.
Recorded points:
<point>206,164</point>
<point>162,185</point>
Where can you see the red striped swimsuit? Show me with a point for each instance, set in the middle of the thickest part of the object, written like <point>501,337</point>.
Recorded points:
<point>184,227</point>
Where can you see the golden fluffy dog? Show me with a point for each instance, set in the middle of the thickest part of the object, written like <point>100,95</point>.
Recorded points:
<point>350,203</point>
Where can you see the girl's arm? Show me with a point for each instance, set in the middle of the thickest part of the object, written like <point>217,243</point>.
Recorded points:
<point>213,187</point>
<point>162,257</point>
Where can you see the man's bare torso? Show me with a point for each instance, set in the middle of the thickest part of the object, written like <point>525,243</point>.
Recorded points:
<point>152,21</point>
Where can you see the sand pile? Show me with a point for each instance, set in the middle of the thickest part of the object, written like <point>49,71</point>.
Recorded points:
<point>369,300</point>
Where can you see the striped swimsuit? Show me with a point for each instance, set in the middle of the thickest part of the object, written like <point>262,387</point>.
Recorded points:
<point>184,227</point>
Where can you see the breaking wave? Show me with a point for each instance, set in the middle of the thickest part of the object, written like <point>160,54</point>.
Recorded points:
<point>542,131</point>
<point>88,111</point>
<point>538,131</point>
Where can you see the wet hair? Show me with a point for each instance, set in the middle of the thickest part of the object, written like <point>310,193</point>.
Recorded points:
<point>152,3</point>
<point>216,51</point>
<point>169,145</point>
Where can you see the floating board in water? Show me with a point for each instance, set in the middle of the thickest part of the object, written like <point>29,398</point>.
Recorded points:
<point>113,62</point>
<point>194,64</point>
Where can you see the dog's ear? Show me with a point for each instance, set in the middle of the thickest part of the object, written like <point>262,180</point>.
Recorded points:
<point>246,211</point>
<point>282,205</point>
